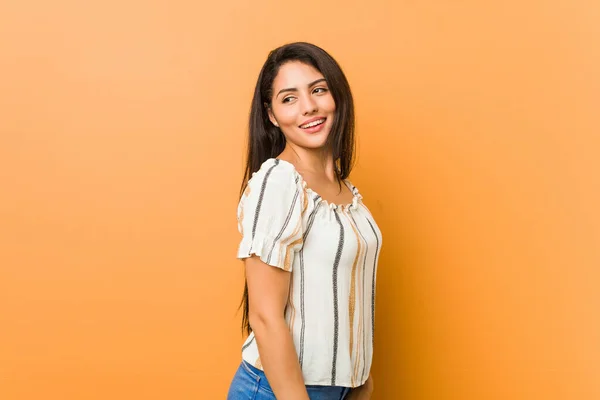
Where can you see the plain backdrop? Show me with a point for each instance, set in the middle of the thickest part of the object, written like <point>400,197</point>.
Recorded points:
<point>122,134</point>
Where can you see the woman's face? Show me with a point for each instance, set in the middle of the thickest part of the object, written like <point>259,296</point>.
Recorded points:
<point>302,105</point>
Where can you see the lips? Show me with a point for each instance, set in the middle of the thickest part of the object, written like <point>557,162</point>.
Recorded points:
<point>314,121</point>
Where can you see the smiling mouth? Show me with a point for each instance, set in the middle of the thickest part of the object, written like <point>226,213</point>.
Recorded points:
<point>313,124</point>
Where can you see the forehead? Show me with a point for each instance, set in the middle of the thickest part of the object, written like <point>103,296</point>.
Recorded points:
<point>295,74</point>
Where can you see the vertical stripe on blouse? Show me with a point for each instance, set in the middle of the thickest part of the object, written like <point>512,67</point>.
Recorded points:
<point>373,285</point>
<point>363,291</point>
<point>352,300</point>
<point>260,199</point>
<point>285,224</point>
<point>336,264</point>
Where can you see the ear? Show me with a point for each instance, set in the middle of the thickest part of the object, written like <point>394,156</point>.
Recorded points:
<point>271,115</point>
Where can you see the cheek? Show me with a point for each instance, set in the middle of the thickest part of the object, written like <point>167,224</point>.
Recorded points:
<point>286,115</point>
<point>328,104</point>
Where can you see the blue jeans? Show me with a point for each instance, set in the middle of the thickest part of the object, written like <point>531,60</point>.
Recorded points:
<point>250,383</point>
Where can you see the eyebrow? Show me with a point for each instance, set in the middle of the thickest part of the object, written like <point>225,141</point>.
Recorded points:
<point>295,90</point>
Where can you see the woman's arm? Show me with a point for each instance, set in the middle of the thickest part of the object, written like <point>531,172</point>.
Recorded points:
<point>267,294</point>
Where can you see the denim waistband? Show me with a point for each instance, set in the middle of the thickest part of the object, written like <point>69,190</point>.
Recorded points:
<point>314,391</point>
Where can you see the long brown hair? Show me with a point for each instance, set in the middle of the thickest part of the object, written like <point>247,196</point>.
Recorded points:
<point>266,140</point>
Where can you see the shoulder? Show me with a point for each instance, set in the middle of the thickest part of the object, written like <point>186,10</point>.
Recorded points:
<point>275,173</point>
<point>272,193</point>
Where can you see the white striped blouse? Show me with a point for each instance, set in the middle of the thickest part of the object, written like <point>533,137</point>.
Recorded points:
<point>332,252</point>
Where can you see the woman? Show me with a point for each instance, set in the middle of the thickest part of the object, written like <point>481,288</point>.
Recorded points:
<point>309,243</point>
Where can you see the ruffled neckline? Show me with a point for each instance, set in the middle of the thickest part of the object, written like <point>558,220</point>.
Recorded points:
<point>356,196</point>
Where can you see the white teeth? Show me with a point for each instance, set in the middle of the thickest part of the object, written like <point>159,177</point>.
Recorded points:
<point>314,123</point>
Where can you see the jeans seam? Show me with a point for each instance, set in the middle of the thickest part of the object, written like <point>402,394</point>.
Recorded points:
<point>258,378</point>
<point>248,370</point>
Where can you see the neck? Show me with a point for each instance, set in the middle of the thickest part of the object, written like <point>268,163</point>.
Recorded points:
<point>315,161</point>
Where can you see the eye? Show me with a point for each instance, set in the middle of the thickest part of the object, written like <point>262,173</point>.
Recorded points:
<point>287,99</point>
<point>320,90</point>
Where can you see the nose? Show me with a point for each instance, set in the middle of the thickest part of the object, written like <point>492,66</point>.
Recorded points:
<point>309,106</point>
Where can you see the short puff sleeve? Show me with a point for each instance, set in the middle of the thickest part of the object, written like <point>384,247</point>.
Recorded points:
<point>270,214</point>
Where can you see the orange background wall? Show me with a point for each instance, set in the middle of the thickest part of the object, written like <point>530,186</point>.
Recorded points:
<point>122,136</point>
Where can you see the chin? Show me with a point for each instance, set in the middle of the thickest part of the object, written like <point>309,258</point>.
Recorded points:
<point>314,144</point>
